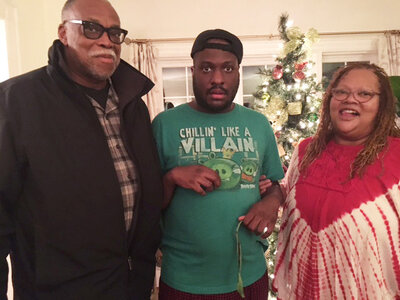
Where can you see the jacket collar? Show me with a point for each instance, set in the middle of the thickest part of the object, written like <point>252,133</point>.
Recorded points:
<point>128,82</point>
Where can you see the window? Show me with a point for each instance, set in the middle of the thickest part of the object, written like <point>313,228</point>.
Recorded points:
<point>329,68</point>
<point>177,86</point>
<point>251,81</point>
<point>4,72</point>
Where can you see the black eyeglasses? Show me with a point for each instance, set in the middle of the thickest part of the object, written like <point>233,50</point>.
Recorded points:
<point>94,31</point>
<point>361,95</point>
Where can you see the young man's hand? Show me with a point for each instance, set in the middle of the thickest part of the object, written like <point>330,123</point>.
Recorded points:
<point>262,216</point>
<point>198,178</point>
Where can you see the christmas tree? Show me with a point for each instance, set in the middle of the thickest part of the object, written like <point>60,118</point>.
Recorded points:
<point>290,95</point>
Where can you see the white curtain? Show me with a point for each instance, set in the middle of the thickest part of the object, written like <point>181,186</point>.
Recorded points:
<point>389,52</point>
<point>141,55</point>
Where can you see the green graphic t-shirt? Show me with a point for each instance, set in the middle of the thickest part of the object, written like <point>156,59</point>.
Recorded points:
<point>199,250</point>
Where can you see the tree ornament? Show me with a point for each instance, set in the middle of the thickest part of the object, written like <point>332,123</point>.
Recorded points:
<point>298,75</point>
<point>312,117</point>
<point>276,112</point>
<point>290,46</point>
<point>278,72</point>
<point>300,67</point>
<point>294,33</point>
<point>312,36</point>
<point>265,96</point>
<point>294,108</point>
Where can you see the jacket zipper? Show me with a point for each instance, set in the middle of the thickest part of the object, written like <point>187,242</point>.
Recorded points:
<point>130,263</point>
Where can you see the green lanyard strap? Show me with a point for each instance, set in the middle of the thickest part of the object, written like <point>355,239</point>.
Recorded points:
<point>239,260</point>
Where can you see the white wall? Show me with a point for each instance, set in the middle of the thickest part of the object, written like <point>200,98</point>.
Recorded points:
<point>186,18</point>
<point>28,35</point>
<point>37,20</point>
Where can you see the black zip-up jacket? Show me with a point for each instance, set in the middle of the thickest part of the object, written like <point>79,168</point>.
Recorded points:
<point>61,210</point>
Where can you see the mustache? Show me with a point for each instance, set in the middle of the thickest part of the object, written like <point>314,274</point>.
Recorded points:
<point>103,52</point>
<point>217,87</point>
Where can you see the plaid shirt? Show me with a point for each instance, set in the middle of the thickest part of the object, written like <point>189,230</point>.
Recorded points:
<point>124,167</point>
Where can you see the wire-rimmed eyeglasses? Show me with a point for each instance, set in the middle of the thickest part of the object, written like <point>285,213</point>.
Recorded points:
<point>94,31</point>
<point>360,95</point>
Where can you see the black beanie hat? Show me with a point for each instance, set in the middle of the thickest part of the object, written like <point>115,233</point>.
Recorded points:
<point>235,45</point>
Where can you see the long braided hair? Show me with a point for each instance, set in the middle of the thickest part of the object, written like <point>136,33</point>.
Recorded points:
<point>385,122</point>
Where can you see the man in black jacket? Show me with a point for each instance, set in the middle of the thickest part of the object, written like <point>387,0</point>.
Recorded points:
<point>80,184</point>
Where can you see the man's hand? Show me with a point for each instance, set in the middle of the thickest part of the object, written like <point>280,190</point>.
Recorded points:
<point>264,213</point>
<point>198,178</point>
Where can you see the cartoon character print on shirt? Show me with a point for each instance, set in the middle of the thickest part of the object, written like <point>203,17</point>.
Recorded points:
<point>228,170</point>
<point>230,151</point>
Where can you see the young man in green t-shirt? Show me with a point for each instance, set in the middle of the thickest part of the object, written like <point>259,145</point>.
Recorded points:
<point>213,152</point>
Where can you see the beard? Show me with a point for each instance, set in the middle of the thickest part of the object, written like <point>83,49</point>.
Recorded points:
<point>201,97</point>
<point>99,73</point>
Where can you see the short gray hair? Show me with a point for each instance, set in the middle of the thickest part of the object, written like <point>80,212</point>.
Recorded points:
<point>66,7</point>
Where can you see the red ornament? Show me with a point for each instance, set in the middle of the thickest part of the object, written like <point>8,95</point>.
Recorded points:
<point>299,75</point>
<point>300,67</point>
<point>277,72</point>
